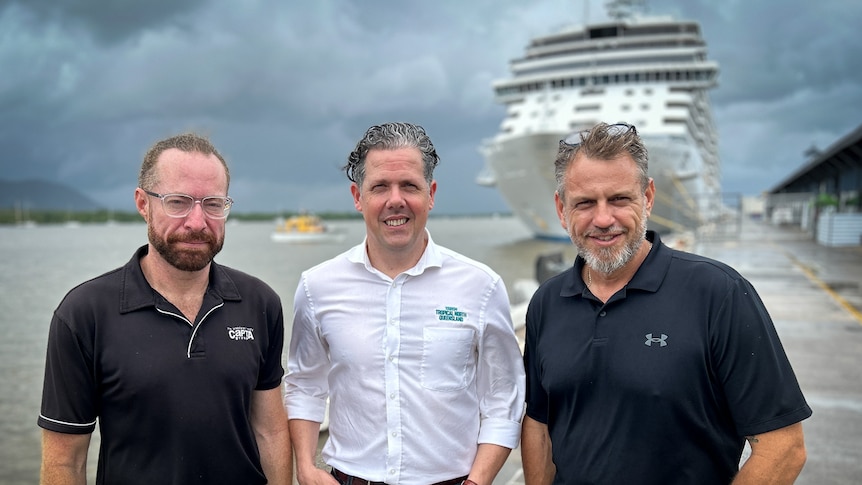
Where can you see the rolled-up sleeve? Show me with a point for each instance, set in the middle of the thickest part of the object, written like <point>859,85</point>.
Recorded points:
<point>306,385</point>
<point>500,375</point>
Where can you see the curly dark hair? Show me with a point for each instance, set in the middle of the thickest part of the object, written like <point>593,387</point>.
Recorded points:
<point>391,136</point>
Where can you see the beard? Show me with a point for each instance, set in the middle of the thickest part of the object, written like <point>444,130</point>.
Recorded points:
<point>186,259</point>
<point>608,260</point>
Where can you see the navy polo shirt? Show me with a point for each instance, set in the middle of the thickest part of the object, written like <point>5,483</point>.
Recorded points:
<point>172,399</point>
<point>662,383</point>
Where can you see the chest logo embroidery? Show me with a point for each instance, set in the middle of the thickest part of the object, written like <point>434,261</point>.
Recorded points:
<point>451,314</point>
<point>240,333</point>
<point>662,341</point>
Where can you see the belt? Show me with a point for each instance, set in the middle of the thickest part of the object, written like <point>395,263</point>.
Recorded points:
<point>346,479</point>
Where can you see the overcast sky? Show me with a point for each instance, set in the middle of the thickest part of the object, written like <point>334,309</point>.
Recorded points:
<point>285,88</point>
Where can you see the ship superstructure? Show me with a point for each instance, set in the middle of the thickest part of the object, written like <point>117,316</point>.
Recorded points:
<point>652,72</point>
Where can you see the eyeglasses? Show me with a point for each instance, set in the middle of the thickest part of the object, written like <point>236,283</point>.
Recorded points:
<point>616,129</point>
<point>181,205</point>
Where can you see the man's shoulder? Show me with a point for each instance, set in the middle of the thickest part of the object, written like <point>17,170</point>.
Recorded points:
<point>453,257</point>
<point>704,265</point>
<point>336,263</point>
<point>97,286</point>
<point>244,281</point>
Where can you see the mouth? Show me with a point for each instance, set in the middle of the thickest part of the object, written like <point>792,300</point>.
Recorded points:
<point>396,222</point>
<point>605,239</point>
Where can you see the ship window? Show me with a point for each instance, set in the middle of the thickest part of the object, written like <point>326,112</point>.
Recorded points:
<point>626,107</point>
<point>601,32</point>
<point>644,107</point>
<point>629,92</point>
<point>648,91</point>
<point>587,107</point>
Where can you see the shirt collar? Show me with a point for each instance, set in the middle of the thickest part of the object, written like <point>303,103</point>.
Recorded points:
<point>648,277</point>
<point>431,257</point>
<point>136,292</point>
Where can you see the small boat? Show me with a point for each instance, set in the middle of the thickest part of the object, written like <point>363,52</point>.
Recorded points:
<point>306,228</point>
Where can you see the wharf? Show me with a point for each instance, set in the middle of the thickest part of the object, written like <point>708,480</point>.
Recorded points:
<point>814,295</point>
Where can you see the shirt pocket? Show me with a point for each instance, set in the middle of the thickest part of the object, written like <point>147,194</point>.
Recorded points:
<point>447,358</point>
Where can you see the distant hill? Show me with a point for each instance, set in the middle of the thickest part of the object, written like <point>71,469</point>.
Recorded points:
<point>43,195</point>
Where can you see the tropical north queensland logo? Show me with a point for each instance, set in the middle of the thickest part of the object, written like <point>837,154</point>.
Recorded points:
<point>450,314</point>
<point>240,333</point>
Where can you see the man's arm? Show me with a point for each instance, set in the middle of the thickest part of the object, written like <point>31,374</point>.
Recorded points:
<point>538,466</point>
<point>269,422</point>
<point>777,457</point>
<point>305,435</point>
<point>64,458</point>
<point>488,462</point>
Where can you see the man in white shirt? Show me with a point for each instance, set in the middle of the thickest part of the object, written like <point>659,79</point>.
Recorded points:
<point>411,342</point>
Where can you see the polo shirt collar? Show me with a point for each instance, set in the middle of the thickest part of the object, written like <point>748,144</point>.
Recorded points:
<point>136,292</point>
<point>648,277</point>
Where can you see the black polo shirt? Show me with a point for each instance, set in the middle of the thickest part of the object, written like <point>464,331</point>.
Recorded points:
<point>172,399</point>
<point>660,384</point>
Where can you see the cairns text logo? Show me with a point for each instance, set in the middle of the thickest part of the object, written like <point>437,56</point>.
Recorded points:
<point>240,333</point>
<point>451,314</point>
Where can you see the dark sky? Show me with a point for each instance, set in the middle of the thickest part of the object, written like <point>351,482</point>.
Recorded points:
<point>285,89</point>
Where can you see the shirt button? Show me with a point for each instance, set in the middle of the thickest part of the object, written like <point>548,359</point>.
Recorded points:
<point>394,434</point>
<point>392,396</point>
<point>603,313</point>
<point>391,358</point>
<point>392,471</point>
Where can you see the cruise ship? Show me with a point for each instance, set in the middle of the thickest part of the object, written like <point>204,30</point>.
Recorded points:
<point>649,71</point>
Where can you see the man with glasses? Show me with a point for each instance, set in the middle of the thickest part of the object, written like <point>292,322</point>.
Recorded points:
<point>177,358</point>
<point>645,364</point>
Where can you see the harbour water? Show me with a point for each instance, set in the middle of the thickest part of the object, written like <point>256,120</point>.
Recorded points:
<point>813,293</point>
<point>40,264</point>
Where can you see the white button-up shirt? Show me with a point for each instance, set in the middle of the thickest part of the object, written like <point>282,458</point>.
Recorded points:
<point>419,369</point>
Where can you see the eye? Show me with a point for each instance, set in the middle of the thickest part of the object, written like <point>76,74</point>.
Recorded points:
<point>214,204</point>
<point>177,202</point>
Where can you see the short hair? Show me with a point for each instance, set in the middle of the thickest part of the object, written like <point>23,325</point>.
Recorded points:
<point>186,142</point>
<point>602,142</point>
<point>391,136</point>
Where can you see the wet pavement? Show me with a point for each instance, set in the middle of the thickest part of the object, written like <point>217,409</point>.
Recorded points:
<point>814,294</point>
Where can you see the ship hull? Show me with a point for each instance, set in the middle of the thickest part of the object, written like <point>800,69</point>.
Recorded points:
<point>524,175</point>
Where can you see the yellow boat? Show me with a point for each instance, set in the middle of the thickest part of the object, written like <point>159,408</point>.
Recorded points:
<point>306,228</point>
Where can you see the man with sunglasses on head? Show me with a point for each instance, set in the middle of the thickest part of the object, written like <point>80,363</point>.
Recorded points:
<point>646,364</point>
<point>176,357</point>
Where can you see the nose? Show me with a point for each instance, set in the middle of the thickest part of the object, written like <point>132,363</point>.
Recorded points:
<point>603,215</point>
<point>396,198</point>
<point>196,219</point>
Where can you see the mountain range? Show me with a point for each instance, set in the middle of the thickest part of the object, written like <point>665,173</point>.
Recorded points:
<point>43,195</point>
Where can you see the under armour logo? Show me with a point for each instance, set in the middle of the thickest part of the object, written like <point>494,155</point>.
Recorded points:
<point>662,341</point>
